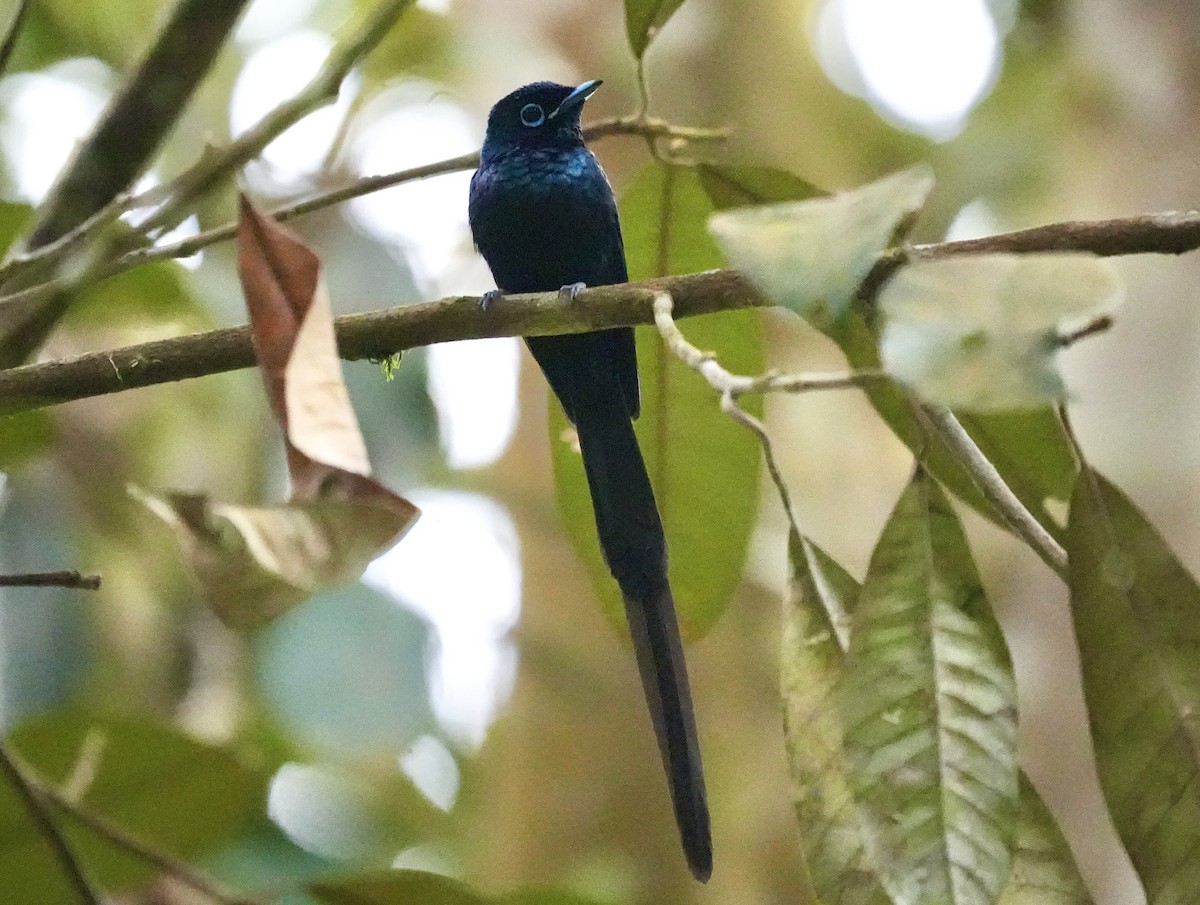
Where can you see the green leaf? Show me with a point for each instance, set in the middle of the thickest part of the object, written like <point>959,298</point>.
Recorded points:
<point>1137,619</point>
<point>982,331</point>
<point>811,256</point>
<point>704,467</point>
<point>24,436</point>
<point>14,217</point>
<point>1043,871</point>
<point>643,19</point>
<point>174,793</point>
<point>929,704</point>
<point>820,598</point>
<point>1027,447</point>
<point>420,43</point>
<point>820,602</point>
<point>412,886</point>
<point>151,295</point>
<point>746,186</point>
<point>399,886</point>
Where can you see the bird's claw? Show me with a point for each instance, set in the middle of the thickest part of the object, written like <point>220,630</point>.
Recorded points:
<point>488,297</point>
<point>571,291</point>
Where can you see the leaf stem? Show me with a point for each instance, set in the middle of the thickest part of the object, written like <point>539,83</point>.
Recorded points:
<point>948,429</point>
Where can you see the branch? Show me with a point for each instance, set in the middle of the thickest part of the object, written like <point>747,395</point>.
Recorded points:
<point>212,169</point>
<point>139,116</point>
<point>33,793</point>
<point>65,579</point>
<point>376,335</point>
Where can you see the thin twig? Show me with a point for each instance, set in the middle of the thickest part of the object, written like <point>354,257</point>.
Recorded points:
<point>64,579</point>
<point>731,386</point>
<point>213,169</point>
<point>1091,328</point>
<point>993,487</point>
<point>117,836</point>
<point>33,794</point>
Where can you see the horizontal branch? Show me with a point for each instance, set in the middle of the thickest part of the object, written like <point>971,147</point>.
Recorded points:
<point>64,579</point>
<point>380,334</point>
<point>374,335</point>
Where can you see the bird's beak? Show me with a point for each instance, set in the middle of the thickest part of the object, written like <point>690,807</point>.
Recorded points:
<point>576,97</point>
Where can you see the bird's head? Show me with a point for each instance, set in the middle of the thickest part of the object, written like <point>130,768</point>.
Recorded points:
<point>543,114</point>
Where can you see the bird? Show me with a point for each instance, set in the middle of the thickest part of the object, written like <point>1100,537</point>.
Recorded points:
<point>543,215</point>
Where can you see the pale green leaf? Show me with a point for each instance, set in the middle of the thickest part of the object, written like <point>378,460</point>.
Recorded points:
<point>815,633</point>
<point>1043,871</point>
<point>929,704</point>
<point>253,563</point>
<point>1137,619</point>
<point>811,256</point>
<point>1026,446</point>
<point>643,19</point>
<point>704,467</point>
<point>982,331</point>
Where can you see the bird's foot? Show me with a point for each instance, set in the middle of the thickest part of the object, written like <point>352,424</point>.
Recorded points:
<point>488,297</point>
<point>571,291</point>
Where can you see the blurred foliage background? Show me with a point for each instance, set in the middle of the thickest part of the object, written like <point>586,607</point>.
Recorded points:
<point>468,708</point>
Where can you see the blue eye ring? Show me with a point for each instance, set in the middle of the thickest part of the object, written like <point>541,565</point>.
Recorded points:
<point>532,115</point>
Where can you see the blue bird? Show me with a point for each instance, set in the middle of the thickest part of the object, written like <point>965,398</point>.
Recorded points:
<point>543,215</point>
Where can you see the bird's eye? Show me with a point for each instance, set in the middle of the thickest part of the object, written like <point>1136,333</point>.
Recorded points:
<point>532,115</point>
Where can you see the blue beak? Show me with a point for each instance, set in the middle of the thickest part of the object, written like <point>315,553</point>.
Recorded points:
<point>576,97</point>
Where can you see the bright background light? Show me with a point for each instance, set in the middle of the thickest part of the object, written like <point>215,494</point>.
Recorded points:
<point>459,567</point>
<point>923,63</point>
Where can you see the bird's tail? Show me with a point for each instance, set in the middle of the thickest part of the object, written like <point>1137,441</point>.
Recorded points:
<point>631,536</point>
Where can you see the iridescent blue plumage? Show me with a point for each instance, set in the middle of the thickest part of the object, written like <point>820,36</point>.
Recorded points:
<point>543,215</point>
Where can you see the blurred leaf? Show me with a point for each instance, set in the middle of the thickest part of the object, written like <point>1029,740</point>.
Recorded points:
<point>345,674</point>
<point>981,331</point>
<point>102,27</point>
<point>746,186</point>
<point>146,296</point>
<point>411,886</point>
<point>420,43</point>
<point>1137,620</point>
<point>253,563</point>
<point>1028,447</point>
<point>24,436</point>
<point>176,794</point>
<point>704,467</point>
<point>643,19</point>
<point>815,632</point>
<point>342,816</point>
<point>929,704</point>
<point>14,218</point>
<point>1043,871</point>
<point>811,256</point>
